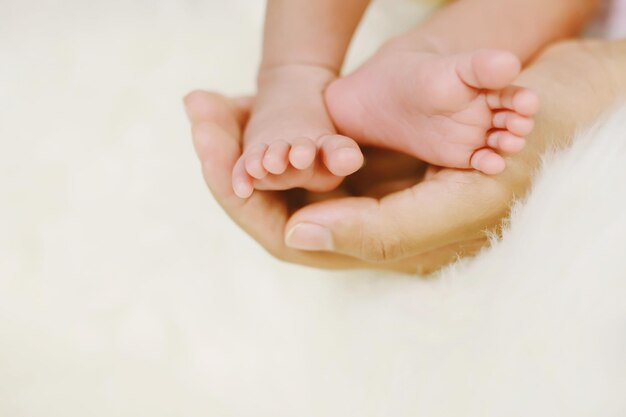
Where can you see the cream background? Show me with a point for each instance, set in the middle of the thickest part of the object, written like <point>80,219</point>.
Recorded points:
<point>125,291</point>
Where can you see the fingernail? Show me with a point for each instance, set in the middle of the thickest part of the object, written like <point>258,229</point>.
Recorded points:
<point>310,237</point>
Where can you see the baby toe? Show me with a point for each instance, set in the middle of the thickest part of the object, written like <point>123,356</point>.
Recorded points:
<point>253,160</point>
<point>302,153</point>
<point>515,123</point>
<point>518,99</point>
<point>525,102</point>
<point>487,161</point>
<point>506,142</point>
<point>503,98</point>
<point>341,155</point>
<point>276,157</point>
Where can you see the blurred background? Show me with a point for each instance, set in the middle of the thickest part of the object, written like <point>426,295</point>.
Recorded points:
<point>125,291</point>
<point>98,167</point>
<point>116,264</point>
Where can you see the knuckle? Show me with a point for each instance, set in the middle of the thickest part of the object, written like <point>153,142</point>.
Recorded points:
<point>381,241</point>
<point>381,249</point>
<point>372,250</point>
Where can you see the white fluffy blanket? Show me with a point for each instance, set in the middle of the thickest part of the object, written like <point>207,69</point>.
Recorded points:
<point>125,291</point>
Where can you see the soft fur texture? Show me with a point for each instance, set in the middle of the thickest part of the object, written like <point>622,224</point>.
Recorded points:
<point>125,291</point>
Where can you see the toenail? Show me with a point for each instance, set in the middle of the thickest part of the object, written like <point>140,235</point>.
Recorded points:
<point>310,237</point>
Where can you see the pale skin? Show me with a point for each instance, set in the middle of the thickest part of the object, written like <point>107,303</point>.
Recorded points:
<point>457,105</point>
<point>403,221</point>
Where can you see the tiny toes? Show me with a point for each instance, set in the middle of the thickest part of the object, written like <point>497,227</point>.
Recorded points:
<point>487,161</point>
<point>513,122</point>
<point>341,155</point>
<point>506,142</point>
<point>302,153</point>
<point>526,102</point>
<point>276,157</point>
<point>254,161</point>
<point>518,99</point>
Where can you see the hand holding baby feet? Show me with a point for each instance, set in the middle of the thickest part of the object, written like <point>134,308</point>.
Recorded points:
<point>290,141</point>
<point>456,111</point>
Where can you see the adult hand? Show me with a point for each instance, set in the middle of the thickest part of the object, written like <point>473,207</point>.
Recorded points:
<point>403,219</point>
<point>392,215</point>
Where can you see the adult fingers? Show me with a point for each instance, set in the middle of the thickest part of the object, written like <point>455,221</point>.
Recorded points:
<point>453,206</point>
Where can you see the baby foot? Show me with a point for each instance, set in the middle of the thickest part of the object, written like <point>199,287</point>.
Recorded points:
<point>290,140</point>
<point>455,111</point>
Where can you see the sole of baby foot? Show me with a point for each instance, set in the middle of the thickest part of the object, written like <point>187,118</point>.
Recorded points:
<point>459,111</point>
